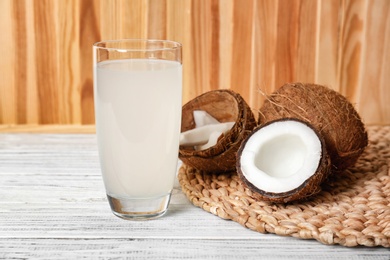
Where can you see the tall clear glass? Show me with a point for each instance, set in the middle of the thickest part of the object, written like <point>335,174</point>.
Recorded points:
<point>138,98</point>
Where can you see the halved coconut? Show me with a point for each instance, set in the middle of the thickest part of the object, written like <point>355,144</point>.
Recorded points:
<point>225,106</point>
<point>283,160</point>
<point>329,112</point>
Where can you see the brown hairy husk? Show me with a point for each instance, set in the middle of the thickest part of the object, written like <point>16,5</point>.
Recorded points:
<point>330,113</point>
<point>226,106</point>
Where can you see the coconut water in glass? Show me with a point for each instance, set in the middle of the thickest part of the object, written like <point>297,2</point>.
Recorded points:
<point>138,97</point>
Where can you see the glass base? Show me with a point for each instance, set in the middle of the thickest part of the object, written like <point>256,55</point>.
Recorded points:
<point>139,209</point>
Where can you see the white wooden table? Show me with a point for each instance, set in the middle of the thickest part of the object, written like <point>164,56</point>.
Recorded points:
<point>53,206</point>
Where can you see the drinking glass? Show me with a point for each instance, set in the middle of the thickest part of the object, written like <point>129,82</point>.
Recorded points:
<point>138,98</point>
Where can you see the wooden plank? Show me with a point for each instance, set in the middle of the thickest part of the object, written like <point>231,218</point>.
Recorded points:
<point>327,56</point>
<point>90,32</point>
<point>296,41</point>
<point>178,22</point>
<point>157,19</point>
<point>373,93</point>
<point>69,38</point>
<point>242,56</point>
<point>351,34</point>
<point>20,35</point>
<point>226,12</point>
<point>8,67</point>
<point>307,41</point>
<point>47,62</point>
<point>204,47</point>
<point>286,42</point>
<point>264,48</point>
<point>32,106</point>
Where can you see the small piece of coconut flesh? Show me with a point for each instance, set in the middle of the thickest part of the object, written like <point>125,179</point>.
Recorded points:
<point>206,132</point>
<point>281,156</point>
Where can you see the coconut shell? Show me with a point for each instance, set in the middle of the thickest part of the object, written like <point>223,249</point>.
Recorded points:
<point>330,113</point>
<point>307,189</point>
<point>225,106</point>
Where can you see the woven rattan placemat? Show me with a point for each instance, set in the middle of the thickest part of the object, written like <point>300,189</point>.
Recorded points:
<point>353,208</point>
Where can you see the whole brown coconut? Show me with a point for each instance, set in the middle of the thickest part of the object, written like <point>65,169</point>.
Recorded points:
<point>330,113</point>
<point>225,106</point>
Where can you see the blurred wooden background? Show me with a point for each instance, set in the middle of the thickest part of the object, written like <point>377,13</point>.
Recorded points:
<point>250,46</point>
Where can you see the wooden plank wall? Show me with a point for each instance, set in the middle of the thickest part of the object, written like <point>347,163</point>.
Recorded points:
<point>250,46</point>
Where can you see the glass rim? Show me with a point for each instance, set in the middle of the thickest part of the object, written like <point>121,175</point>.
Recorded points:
<point>174,45</point>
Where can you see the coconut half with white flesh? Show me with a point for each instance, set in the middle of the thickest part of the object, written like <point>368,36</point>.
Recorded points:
<point>204,135</point>
<point>283,160</point>
<point>224,107</point>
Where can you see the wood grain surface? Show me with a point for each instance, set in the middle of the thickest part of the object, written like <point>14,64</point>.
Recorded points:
<point>53,206</point>
<point>250,46</point>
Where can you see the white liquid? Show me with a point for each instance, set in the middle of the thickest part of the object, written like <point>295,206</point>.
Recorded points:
<point>138,116</point>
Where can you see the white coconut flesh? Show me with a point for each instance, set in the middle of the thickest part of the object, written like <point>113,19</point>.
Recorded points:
<point>281,156</point>
<point>202,118</point>
<point>206,132</point>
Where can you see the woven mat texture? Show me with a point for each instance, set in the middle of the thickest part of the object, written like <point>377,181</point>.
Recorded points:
<point>353,208</point>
